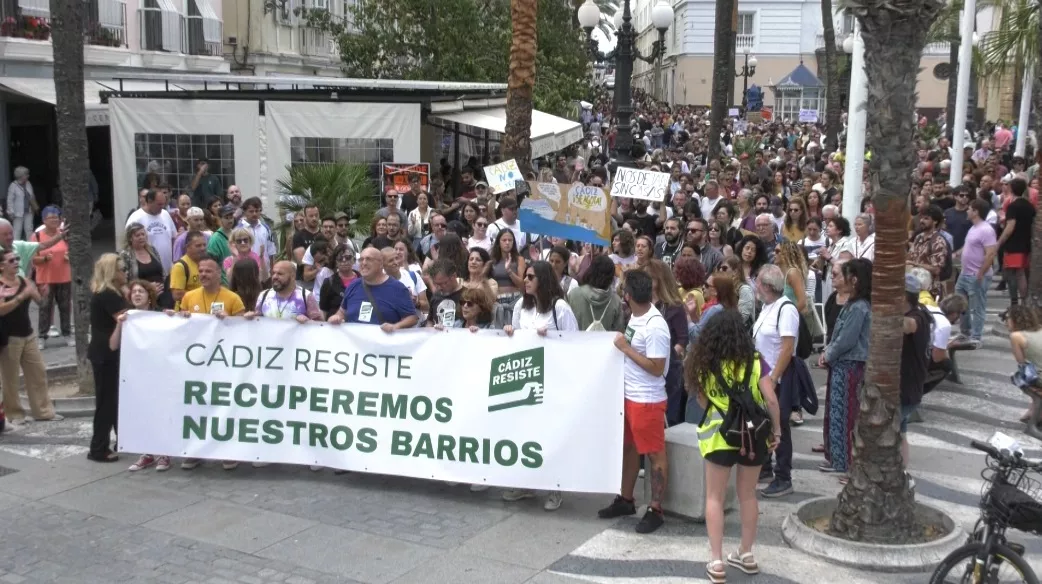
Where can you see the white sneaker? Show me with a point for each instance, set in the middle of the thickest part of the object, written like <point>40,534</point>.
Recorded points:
<point>54,332</point>
<point>553,502</point>
<point>478,488</point>
<point>189,463</point>
<point>70,341</point>
<point>261,464</point>
<point>315,468</point>
<point>230,465</point>
<point>517,494</point>
<point>41,343</point>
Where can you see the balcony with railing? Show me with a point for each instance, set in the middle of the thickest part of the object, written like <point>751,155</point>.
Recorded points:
<point>202,36</point>
<point>745,40</point>
<point>315,43</point>
<point>25,19</point>
<point>106,22</point>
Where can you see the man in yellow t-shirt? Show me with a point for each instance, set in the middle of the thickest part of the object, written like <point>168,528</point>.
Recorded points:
<point>210,297</point>
<point>184,274</point>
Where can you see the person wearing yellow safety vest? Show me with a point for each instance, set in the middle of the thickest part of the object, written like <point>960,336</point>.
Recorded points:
<point>725,352</point>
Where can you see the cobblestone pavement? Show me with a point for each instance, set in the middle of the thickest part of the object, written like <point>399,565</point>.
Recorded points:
<point>67,520</point>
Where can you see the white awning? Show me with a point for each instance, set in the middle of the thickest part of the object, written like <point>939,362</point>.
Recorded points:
<point>42,89</point>
<point>549,133</point>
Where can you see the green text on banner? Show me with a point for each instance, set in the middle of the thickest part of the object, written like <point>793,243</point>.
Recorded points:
<point>447,405</point>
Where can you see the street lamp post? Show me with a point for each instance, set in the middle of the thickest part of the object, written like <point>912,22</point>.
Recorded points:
<point>857,123</point>
<point>748,70</point>
<point>625,54</point>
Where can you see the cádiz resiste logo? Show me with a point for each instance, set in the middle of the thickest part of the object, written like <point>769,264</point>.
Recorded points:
<point>516,380</point>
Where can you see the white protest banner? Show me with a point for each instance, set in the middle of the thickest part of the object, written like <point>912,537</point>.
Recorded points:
<point>501,177</point>
<point>808,116</point>
<point>448,405</point>
<point>640,184</point>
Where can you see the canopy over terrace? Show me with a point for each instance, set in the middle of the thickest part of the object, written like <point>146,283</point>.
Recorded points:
<point>253,128</point>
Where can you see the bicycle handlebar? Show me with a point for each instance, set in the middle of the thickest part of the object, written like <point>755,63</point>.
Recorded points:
<point>1013,459</point>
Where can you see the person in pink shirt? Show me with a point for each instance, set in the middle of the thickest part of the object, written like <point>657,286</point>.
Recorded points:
<point>1003,137</point>
<point>242,247</point>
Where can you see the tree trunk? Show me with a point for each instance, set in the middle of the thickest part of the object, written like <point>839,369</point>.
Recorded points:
<point>517,135</point>
<point>723,74</point>
<point>1035,273</point>
<point>832,102</point>
<point>67,26</point>
<point>876,505</point>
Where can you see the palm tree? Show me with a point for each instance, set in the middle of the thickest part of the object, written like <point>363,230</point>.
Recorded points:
<point>67,26</point>
<point>877,505</point>
<point>333,187</point>
<point>517,135</point>
<point>723,73</point>
<point>832,104</point>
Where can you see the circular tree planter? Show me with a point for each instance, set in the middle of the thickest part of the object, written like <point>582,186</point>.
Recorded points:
<point>920,557</point>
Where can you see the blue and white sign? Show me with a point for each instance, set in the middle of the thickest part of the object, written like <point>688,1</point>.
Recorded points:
<point>503,176</point>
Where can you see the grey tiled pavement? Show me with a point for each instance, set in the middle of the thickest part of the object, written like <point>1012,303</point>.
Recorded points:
<point>66,520</point>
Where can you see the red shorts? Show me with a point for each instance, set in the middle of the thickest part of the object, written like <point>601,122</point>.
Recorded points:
<point>1015,261</point>
<point>645,426</point>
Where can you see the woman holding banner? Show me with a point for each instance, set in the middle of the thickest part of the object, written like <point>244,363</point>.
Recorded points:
<point>541,308</point>
<point>107,306</point>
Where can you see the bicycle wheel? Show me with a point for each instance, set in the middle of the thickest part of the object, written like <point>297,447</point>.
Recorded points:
<point>1007,567</point>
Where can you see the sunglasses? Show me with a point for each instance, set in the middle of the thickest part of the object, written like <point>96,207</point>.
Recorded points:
<point>243,241</point>
<point>481,224</point>
<point>695,230</point>
<point>795,210</point>
<point>468,304</point>
<point>530,277</point>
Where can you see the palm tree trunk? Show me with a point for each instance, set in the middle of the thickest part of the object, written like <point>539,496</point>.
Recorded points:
<point>723,73</point>
<point>876,505</point>
<point>517,135</point>
<point>1035,273</point>
<point>832,104</point>
<point>67,18</point>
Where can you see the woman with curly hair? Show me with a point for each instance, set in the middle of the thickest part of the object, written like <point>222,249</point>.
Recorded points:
<point>726,352</point>
<point>753,254</point>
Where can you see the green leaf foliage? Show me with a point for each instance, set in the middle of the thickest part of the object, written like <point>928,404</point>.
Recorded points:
<point>333,187</point>
<point>459,40</point>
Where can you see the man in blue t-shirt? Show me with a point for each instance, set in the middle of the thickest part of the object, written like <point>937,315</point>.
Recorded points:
<point>376,298</point>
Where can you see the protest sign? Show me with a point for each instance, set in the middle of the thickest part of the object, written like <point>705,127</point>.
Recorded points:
<point>808,116</point>
<point>398,174</point>
<point>733,112</point>
<point>501,176</point>
<point>576,212</point>
<point>520,414</point>
<point>767,113</point>
<point>640,184</point>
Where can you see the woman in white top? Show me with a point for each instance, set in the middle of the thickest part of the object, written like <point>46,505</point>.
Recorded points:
<point>864,245</point>
<point>420,217</point>
<point>542,307</point>
<point>479,238</point>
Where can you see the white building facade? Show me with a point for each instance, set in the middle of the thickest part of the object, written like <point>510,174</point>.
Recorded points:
<point>121,37</point>
<point>780,33</point>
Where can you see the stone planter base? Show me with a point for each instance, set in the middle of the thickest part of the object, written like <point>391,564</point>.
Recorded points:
<point>922,557</point>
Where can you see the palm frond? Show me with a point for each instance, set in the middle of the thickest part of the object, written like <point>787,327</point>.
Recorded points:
<point>332,187</point>
<point>1014,43</point>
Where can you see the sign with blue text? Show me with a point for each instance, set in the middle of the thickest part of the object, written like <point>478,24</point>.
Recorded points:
<point>501,177</point>
<point>575,212</point>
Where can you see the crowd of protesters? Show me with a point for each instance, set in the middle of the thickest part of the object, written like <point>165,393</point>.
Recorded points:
<point>743,277</point>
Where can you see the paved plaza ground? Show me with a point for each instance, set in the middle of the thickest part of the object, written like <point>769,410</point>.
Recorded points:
<point>64,519</point>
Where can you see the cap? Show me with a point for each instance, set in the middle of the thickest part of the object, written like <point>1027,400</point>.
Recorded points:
<point>195,212</point>
<point>340,215</point>
<point>51,210</point>
<point>912,284</point>
<point>481,183</point>
<point>818,188</point>
<point>1007,178</point>
<point>228,210</point>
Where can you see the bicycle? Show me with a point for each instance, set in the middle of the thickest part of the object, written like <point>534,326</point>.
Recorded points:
<point>1009,499</point>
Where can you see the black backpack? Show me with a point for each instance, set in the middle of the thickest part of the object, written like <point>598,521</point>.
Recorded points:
<point>746,424</point>
<point>804,344</point>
